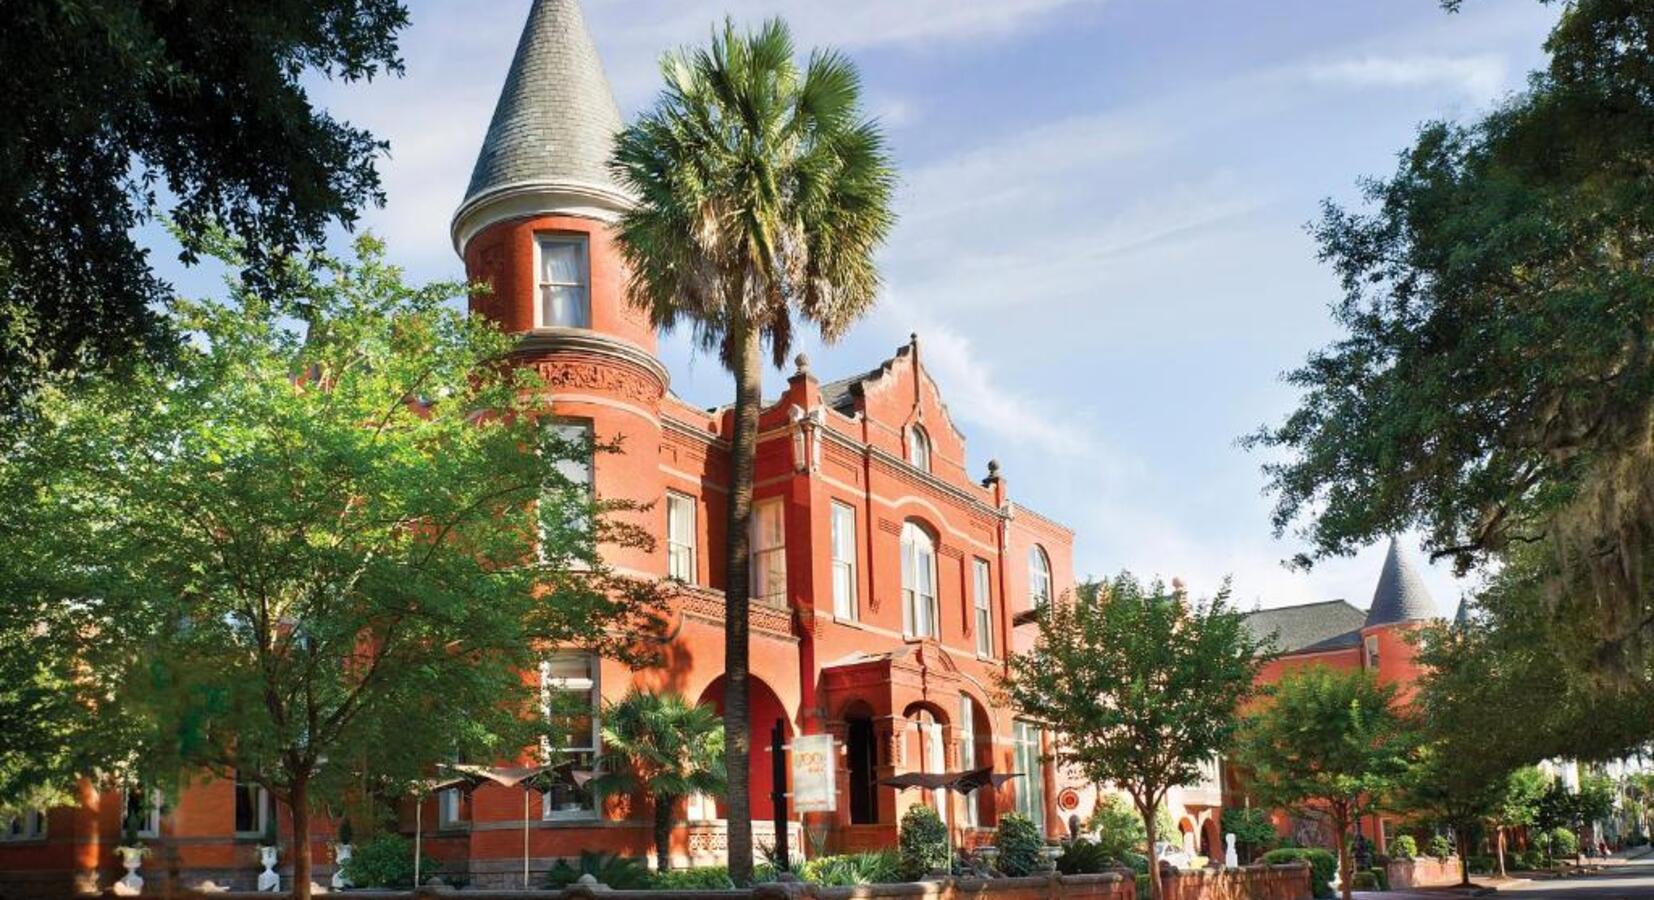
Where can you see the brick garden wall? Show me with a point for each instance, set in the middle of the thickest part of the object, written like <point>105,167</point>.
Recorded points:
<point>1423,872</point>
<point>1262,882</point>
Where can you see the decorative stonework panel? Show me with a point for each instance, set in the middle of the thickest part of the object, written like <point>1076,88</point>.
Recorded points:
<point>597,378</point>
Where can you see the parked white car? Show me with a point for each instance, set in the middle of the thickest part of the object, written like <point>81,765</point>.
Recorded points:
<point>1171,853</point>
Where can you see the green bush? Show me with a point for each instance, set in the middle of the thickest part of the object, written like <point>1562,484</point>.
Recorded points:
<point>1563,842</point>
<point>1440,846</point>
<point>853,869</point>
<point>1137,862</point>
<point>623,873</point>
<point>1322,864</point>
<point>1120,829</point>
<point>1364,881</point>
<point>1143,888</point>
<point>703,878</point>
<point>1020,846</point>
<point>1404,847</point>
<point>1484,865</point>
<point>1084,857</point>
<point>387,861</point>
<point>1254,832</point>
<point>923,843</point>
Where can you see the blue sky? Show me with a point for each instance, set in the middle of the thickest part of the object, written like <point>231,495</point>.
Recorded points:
<point>1102,203</point>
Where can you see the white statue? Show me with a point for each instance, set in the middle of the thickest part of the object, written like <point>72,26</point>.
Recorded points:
<point>341,855</point>
<point>1230,858</point>
<point>268,880</point>
<point>133,884</point>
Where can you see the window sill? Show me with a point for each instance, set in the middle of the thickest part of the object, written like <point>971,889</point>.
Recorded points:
<point>852,623</point>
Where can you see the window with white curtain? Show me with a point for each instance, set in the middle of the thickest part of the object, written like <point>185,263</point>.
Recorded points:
<point>918,448</point>
<point>981,600</point>
<point>680,536</point>
<point>769,553</point>
<point>571,697</point>
<point>565,282</point>
<point>1039,577</point>
<point>1025,741</point>
<point>919,609</point>
<point>844,560</point>
<point>967,758</point>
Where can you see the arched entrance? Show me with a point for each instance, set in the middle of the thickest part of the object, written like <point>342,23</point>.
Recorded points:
<point>763,709</point>
<point>1211,842</point>
<point>861,751</point>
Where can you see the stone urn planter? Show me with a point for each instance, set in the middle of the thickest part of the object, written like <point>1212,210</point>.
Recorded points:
<point>268,880</point>
<point>132,856</point>
<point>341,855</point>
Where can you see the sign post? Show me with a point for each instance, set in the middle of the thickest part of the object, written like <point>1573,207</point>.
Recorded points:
<point>778,794</point>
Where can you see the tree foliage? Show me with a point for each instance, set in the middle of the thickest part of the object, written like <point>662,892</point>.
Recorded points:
<point>763,191</point>
<point>1495,384</point>
<point>1327,744</point>
<point>1141,684</point>
<point>314,549</point>
<point>666,747</point>
<point>117,110</point>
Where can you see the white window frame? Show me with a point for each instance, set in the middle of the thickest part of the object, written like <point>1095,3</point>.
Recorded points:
<point>1040,583</point>
<point>769,561</point>
<point>933,757</point>
<point>1369,655</point>
<point>151,827</point>
<point>920,450</point>
<point>982,606</point>
<point>682,562</point>
<point>583,243</point>
<point>591,685</point>
<point>261,807</point>
<point>967,758</point>
<point>842,535</point>
<point>1026,738</point>
<point>589,433</point>
<point>921,614</point>
<point>27,826</point>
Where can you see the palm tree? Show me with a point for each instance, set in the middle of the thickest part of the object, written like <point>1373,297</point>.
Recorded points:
<point>762,192</point>
<point>663,746</point>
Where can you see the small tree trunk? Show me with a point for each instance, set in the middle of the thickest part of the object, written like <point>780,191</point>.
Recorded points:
<point>663,832</point>
<point>1499,836</point>
<point>737,600</point>
<point>299,805</point>
<point>1346,865</point>
<point>1156,889</point>
<point>1463,836</point>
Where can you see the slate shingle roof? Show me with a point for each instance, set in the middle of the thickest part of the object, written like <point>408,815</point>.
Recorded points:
<point>1310,627</point>
<point>556,118</point>
<point>1401,595</point>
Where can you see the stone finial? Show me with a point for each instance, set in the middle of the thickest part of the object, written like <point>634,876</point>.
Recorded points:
<point>993,468</point>
<point>802,361</point>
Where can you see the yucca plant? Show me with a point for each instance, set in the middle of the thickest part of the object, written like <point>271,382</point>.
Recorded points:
<point>762,192</point>
<point>664,746</point>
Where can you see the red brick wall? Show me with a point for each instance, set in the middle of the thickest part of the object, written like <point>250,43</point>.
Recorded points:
<point>1423,872</point>
<point>1287,882</point>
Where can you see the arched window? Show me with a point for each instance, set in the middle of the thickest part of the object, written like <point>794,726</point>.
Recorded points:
<point>918,448</point>
<point>919,610</point>
<point>1039,577</point>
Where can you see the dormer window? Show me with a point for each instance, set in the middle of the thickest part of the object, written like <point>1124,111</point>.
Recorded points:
<point>565,282</point>
<point>918,448</point>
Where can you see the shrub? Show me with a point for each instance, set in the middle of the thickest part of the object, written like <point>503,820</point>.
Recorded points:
<point>1120,829</point>
<point>703,878</point>
<point>1323,865</point>
<point>1364,881</point>
<point>1404,847</point>
<point>1020,846</point>
<point>923,843</point>
<point>1483,865</point>
<point>1383,876</point>
<point>1254,832</point>
<point>623,873</point>
<point>1137,862</point>
<point>1563,842</point>
<point>854,869</point>
<point>387,861</point>
<point>1084,857</point>
<point>1440,846</point>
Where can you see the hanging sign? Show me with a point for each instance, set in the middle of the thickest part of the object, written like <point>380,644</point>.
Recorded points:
<point>814,766</point>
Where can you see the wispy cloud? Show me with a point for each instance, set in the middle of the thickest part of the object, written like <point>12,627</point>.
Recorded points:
<point>1478,77</point>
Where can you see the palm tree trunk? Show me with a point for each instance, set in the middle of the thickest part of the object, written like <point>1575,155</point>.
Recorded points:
<point>663,832</point>
<point>737,598</point>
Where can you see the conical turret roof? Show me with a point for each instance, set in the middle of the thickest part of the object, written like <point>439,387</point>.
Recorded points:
<point>556,118</point>
<point>1401,595</point>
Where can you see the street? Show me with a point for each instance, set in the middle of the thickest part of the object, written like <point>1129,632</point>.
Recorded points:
<point>1629,879</point>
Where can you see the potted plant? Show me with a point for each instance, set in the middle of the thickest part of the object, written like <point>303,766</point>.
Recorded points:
<point>343,848</point>
<point>268,853</point>
<point>132,852</point>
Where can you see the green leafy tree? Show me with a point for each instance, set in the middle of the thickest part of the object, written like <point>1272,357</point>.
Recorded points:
<point>1327,744</point>
<point>1494,386</point>
<point>317,545</point>
<point>1141,684</point>
<point>116,111</point>
<point>763,191</point>
<point>666,747</point>
<point>1119,828</point>
<point>1516,806</point>
<point>1254,832</point>
<point>1460,792</point>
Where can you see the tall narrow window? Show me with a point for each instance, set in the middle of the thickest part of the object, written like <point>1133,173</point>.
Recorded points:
<point>918,448</point>
<point>844,560</point>
<point>1039,577</point>
<point>252,806</point>
<point>1025,740</point>
<point>566,494</point>
<point>450,808</point>
<point>680,537</point>
<point>565,283</point>
<point>569,691</point>
<point>919,612</point>
<point>1371,644</point>
<point>967,758</point>
<point>769,553</point>
<point>143,812</point>
<point>982,602</point>
<point>934,759</point>
<point>25,826</point>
